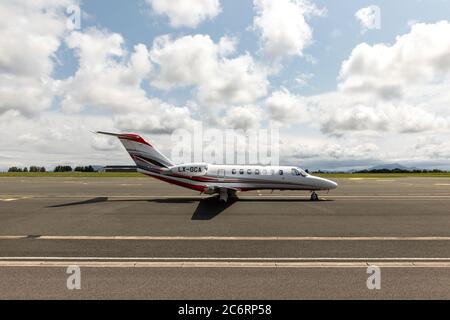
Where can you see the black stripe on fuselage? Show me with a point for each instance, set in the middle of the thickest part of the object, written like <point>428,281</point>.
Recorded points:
<point>152,161</point>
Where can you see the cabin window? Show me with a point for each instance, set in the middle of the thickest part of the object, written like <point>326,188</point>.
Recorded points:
<point>241,171</point>
<point>272,172</point>
<point>249,171</point>
<point>234,171</point>
<point>264,172</point>
<point>257,172</point>
<point>281,172</point>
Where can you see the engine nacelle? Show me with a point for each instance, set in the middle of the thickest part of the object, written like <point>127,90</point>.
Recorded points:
<point>190,170</point>
<point>210,190</point>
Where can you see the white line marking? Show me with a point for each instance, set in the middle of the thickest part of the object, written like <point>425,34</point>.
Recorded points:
<point>47,264</point>
<point>143,197</point>
<point>11,198</point>
<point>222,238</point>
<point>244,259</point>
<point>224,262</point>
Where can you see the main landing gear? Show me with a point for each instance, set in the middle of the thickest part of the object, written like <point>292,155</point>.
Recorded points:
<point>223,195</point>
<point>314,196</point>
<point>226,194</point>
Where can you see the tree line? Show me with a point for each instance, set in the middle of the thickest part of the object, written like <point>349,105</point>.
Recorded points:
<point>31,169</point>
<point>56,169</point>
<point>401,171</point>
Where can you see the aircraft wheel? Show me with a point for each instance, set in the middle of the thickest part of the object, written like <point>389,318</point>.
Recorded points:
<point>314,197</point>
<point>223,196</point>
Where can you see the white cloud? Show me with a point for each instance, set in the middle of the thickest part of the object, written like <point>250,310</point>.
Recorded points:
<point>302,78</point>
<point>104,143</point>
<point>110,78</point>
<point>166,120</point>
<point>186,13</point>
<point>198,61</point>
<point>243,117</point>
<point>339,113</point>
<point>30,35</point>
<point>382,118</point>
<point>283,26</point>
<point>390,71</point>
<point>434,147</point>
<point>300,150</point>
<point>401,88</point>
<point>369,18</point>
<point>107,77</point>
<point>53,138</point>
<point>287,108</point>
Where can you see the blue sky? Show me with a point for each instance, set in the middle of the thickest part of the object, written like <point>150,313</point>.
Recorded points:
<point>344,92</point>
<point>136,22</point>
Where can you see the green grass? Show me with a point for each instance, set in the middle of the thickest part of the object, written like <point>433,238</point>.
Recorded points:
<point>384,175</point>
<point>73,174</point>
<point>137,175</point>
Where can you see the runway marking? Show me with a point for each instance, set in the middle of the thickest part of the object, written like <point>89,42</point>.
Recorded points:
<point>12,199</point>
<point>270,259</point>
<point>442,184</point>
<point>220,238</point>
<point>143,197</point>
<point>114,262</point>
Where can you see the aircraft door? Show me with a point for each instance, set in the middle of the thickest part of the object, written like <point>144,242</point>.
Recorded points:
<point>221,174</point>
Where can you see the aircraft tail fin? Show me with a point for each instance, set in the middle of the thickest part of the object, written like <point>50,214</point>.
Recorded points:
<point>145,155</point>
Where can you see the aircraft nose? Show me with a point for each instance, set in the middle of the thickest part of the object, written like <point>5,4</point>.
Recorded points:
<point>328,184</point>
<point>331,184</point>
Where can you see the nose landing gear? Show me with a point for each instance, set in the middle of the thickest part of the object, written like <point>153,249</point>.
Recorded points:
<point>314,196</point>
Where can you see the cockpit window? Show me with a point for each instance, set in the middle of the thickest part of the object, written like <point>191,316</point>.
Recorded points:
<point>299,172</point>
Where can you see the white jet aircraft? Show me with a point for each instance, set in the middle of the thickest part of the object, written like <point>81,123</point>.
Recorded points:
<point>224,180</point>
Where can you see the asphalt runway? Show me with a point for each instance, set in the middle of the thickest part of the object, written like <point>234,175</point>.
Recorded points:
<point>141,238</point>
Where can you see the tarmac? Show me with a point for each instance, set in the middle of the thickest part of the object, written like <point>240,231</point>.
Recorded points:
<point>138,238</point>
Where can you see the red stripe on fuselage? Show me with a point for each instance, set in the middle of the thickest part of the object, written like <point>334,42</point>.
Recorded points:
<point>199,188</point>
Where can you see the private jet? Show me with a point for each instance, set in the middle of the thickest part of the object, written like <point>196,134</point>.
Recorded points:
<point>223,180</point>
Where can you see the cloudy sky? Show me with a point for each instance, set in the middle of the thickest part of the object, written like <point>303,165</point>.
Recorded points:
<point>349,83</point>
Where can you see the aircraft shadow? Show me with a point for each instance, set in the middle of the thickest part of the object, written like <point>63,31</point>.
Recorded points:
<point>90,201</point>
<point>207,209</point>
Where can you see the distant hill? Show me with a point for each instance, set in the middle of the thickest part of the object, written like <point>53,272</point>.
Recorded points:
<point>392,166</point>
